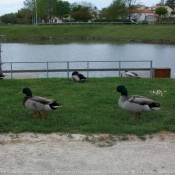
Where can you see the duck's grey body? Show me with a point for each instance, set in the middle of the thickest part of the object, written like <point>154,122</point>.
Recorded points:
<point>38,103</point>
<point>135,103</point>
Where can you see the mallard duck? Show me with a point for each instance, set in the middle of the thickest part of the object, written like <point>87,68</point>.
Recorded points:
<point>76,76</point>
<point>135,103</point>
<point>38,103</point>
<point>128,74</point>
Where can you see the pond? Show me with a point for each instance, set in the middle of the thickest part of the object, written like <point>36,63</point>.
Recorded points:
<point>161,55</point>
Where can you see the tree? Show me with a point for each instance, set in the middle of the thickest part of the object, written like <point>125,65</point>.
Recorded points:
<point>131,6</point>
<point>116,10</point>
<point>87,4</point>
<point>162,2</point>
<point>42,9</point>
<point>9,18</point>
<point>161,11</point>
<point>170,3</point>
<point>75,7</point>
<point>62,8</point>
<point>83,4</point>
<point>81,14</point>
<point>31,5</point>
<point>103,14</point>
<point>50,7</point>
<point>24,16</point>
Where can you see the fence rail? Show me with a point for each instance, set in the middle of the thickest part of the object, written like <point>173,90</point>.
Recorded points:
<point>68,68</point>
<point>107,23</point>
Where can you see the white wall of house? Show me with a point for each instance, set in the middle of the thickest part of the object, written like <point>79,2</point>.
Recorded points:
<point>54,20</point>
<point>140,16</point>
<point>149,15</point>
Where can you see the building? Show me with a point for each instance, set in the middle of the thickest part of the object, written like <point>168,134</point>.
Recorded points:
<point>141,13</point>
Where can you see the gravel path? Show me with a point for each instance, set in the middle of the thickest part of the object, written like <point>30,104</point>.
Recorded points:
<point>75,154</point>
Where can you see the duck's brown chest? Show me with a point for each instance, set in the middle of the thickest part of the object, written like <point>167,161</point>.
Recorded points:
<point>24,100</point>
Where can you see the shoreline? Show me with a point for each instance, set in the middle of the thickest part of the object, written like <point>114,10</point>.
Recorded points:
<point>159,41</point>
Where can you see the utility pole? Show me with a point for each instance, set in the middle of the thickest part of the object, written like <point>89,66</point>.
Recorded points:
<point>36,11</point>
<point>2,37</point>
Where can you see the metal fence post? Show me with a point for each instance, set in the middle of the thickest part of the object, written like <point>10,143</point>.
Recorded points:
<point>11,71</point>
<point>87,69</point>
<point>67,69</point>
<point>151,69</point>
<point>119,67</point>
<point>47,69</point>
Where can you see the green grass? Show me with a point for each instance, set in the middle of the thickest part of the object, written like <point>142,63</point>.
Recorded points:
<point>140,32</point>
<point>88,107</point>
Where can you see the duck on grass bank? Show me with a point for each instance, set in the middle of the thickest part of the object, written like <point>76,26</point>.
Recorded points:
<point>38,104</point>
<point>128,74</point>
<point>135,104</point>
<point>76,76</point>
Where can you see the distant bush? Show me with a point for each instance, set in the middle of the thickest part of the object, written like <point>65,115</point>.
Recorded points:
<point>107,20</point>
<point>166,19</point>
<point>144,22</point>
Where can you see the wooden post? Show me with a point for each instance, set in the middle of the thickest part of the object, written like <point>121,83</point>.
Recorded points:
<point>2,37</point>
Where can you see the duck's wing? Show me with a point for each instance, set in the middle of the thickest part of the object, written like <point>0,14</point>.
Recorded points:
<point>129,74</point>
<point>135,74</point>
<point>41,99</point>
<point>140,99</point>
<point>81,76</point>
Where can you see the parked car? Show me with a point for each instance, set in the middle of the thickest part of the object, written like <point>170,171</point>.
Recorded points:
<point>129,22</point>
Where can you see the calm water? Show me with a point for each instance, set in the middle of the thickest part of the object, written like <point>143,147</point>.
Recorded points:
<point>40,51</point>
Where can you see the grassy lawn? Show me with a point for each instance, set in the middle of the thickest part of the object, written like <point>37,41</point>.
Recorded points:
<point>88,107</point>
<point>142,32</point>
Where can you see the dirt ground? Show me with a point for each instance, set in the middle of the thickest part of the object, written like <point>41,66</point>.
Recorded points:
<point>72,154</point>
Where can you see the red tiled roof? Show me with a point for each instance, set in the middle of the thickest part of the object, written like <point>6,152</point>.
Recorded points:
<point>147,11</point>
<point>142,11</point>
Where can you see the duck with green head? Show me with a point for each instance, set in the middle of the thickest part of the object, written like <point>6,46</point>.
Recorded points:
<point>135,104</point>
<point>38,104</point>
<point>77,77</point>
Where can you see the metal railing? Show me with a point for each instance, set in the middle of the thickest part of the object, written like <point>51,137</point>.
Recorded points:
<point>108,23</point>
<point>67,67</point>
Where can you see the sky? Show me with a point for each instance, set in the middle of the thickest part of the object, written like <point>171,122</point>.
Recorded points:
<point>12,6</point>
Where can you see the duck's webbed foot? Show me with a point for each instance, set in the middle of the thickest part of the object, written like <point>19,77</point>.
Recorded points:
<point>42,113</point>
<point>135,116</point>
<point>36,115</point>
